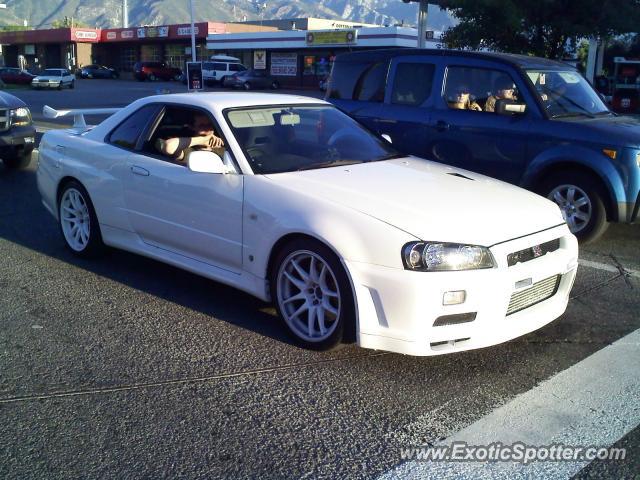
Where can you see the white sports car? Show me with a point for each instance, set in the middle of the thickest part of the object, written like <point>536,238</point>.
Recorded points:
<point>305,207</point>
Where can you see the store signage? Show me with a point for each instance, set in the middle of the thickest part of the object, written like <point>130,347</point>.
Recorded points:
<point>111,35</point>
<point>84,35</point>
<point>153,32</point>
<point>126,34</point>
<point>260,59</point>
<point>194,76</point>
<point>284,64</point>
<point>184,31</point>
<point>334,37</point>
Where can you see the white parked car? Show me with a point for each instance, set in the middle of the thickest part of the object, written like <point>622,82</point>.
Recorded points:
<point>306,208</point>
<point>54,78</point>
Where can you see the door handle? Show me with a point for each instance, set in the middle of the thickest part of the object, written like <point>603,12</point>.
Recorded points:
<point>442,126</point>
<point>136,170</point>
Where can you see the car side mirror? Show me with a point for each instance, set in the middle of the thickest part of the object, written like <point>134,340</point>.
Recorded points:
<point>205,162</point>
<point>509,107</point>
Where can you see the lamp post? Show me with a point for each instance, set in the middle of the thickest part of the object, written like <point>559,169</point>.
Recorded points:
<point>422,19</point>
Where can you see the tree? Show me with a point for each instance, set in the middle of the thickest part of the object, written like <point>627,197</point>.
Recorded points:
<point>543,28</point>
<point>68,22</point>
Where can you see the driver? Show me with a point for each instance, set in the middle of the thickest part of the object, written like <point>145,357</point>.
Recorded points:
<point>202,138</point>
<point>504,89</point>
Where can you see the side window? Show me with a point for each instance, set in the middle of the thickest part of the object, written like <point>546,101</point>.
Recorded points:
<point>207,66</point>
<point>235,67</point>
<point>343,79</point>
<point>478,89</point>
<point>371,84</point>
<point>220,66</point>
<point>127,133</point>
<point>412,84</point>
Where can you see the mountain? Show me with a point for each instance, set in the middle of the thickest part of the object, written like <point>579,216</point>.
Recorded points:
<point>108,13</point>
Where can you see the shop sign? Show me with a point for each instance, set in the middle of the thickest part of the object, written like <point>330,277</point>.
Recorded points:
<point>126,34</point>
<point>260,59</point>
<point>184,31</point>
<point>284,64</point>
<point>334,37</point>
<point>84,35</point>
<point>111,35</point>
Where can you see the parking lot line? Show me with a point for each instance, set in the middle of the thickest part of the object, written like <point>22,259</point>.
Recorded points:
<point>608,268</point>
<point>593,403</point>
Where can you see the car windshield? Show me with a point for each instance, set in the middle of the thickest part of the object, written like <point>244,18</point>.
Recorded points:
<point>300,137</point>
<point>566,93</point>
<point>52,73</point>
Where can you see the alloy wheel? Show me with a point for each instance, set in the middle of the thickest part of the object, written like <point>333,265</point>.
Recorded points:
<point>308,296</point>
<point>75,219</point>
<point>575,205</point>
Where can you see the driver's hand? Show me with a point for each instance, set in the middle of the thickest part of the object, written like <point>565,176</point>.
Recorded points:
<point>215,142</point>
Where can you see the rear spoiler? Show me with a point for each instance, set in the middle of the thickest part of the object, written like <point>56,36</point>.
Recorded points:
<point>78,114</point>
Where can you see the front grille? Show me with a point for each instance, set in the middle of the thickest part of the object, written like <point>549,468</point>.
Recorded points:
<point>532,253</point>
<point>4,120</point>
<point>538,292</point>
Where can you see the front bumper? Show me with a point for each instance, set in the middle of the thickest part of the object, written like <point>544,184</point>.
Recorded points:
<point>18,139</point>
<point>45,84</point>
<point>397,308</point>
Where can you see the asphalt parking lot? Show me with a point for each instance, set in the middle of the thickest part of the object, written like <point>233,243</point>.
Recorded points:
<point>125,367</point>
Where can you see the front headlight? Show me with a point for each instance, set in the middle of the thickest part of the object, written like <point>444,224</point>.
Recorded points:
<point>438,257</point>
<point>20,116</point>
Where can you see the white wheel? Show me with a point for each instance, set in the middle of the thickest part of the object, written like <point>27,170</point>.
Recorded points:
<point>313,295</point>
<point>78,221</point>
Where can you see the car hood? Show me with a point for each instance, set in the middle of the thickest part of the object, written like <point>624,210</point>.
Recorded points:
<point>10,101</point>
<point>617,130</point>
<point>429,200</point>
<point>47,77</point>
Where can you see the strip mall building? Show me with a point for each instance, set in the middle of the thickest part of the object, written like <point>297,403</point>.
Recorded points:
<point>297,51</point>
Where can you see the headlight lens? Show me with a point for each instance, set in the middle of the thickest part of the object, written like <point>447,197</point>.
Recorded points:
<point>20,116</point>
<point>438,257</point>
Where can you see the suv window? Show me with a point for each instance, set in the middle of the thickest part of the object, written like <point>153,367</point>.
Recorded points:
<point>207,66</point>
<point>477,88</point>
<point>407,90</point>
<point>220,66</point>
<point>371,84</point>
<point>343,79</point>
<point>127,133</point>
<point>236,67</point>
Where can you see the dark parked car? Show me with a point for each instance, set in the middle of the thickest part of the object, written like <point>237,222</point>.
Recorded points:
<point>98,71</point>
<point>155,70</point>
<point>17,132</point>
<point>16,76</point>
<point>529,121</point>
<point>250,79</point>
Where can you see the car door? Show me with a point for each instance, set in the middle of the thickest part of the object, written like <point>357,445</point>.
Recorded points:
<point>194,215</point>
<point>405,115</point>
<point>479,140</point>
<point>208,72</point>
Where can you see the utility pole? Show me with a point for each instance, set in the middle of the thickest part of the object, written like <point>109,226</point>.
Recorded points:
<point>125,14</point>
<point>422,19</point>
<point>193,34</point>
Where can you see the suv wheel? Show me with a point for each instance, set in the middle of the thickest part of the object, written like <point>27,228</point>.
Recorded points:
<point>581,199</point>
<point>72,84</point>
<point>18,160</point>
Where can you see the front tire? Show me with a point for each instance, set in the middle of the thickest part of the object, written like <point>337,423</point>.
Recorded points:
<point>17,161</point>
<point>78,221</point>
<point>581,199</point>
<point>72,85</point>
<point>313,295</point>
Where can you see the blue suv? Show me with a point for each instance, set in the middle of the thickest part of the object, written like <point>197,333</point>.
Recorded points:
<point>529,121</point>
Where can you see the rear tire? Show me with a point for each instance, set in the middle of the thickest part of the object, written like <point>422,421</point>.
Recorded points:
<point>78,221</point>
<point>18,161</point>
<point>581,198</point>
<point>313,295</point>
